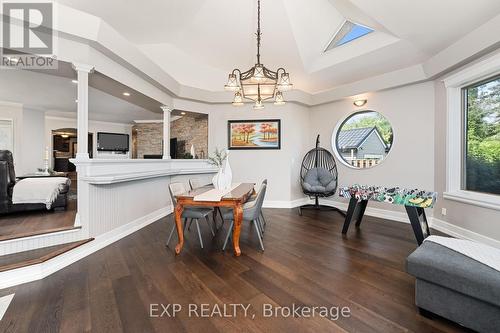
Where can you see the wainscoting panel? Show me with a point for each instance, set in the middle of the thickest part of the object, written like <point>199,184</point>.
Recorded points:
<point>114,205</point>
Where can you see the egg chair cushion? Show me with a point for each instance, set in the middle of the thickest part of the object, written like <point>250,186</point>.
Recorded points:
<point>319,180</point>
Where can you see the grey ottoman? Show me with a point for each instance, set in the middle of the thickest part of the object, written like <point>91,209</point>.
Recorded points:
<point>456,287</point>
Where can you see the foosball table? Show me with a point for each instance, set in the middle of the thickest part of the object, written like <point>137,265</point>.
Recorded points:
<point>415,201</point>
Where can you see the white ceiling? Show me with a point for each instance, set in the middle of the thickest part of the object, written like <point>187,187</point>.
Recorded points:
<point>199,41</point>
<point>56,95</point>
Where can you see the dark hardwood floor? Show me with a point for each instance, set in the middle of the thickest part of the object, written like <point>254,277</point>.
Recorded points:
<point>26,224</point>
<point>306,262</point>
<point>33,257</point>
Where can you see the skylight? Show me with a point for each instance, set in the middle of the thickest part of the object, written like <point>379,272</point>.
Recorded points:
<point>347,33</point>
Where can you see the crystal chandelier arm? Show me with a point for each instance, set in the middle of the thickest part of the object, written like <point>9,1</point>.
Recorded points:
<point>236,70</point>
<point>278,71</point>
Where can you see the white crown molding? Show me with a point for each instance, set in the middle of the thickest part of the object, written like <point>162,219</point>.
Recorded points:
<point>90,121</point>
<point>79,67</point>
<point>103,38</point>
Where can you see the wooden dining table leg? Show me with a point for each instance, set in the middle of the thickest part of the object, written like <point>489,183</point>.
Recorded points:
<point>238,218</point>
<point>179,208</point>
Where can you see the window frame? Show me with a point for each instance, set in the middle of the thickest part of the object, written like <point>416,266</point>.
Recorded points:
<point>337,151</point>
<point>456,133</point>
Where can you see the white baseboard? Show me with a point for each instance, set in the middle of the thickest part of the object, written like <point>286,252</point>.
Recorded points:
<point>440,225</point>
<point>375,212</point>
<point>371,211</point>
<point>42,270</point>
<point>285,204</point>
<point>459,232</point>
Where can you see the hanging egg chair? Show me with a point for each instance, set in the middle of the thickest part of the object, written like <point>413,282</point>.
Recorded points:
<point>319,177</point>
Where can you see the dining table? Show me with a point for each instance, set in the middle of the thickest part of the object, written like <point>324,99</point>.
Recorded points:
<point>234,199</point>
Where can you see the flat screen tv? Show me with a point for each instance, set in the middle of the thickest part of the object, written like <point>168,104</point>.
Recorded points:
<point>112,142</point>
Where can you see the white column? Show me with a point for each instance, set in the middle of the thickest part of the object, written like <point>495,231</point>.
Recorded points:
<point>82,71</point>
<point>166,131</point>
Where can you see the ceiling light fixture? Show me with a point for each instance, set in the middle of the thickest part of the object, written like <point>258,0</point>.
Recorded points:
<point>360,102</point>
<point>183,113</point>
<point>258,83</point>
<point>74,81</point>
<point>126,94</point>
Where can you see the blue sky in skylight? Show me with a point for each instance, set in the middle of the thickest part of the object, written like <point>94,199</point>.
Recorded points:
<point>356,32</point>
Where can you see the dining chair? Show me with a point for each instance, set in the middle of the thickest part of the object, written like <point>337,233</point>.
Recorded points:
<point>251,212</point>
<point>191,213</point>
<point>262,219</point>
<point>197,183</point>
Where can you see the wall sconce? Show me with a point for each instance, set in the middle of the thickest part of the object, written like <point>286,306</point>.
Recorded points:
<point>360,102</point>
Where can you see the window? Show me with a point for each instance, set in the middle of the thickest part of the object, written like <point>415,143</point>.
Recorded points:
<point>481,148</point>
<point>363,140</point>
<point>348,32</point>
<point>6,135</point>
<point>471,143</point>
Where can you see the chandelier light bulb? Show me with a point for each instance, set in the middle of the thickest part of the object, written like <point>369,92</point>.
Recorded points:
<point>284,83</point>
<point>238,99</point>
<point>279,100</point>
<point>232,83</point>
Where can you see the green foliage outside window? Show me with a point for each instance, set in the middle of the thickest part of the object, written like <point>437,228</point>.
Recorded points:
<point>482,169</point>
<point>371,119</point>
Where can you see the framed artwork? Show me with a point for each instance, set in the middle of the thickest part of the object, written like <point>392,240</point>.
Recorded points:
<point>254,134</point>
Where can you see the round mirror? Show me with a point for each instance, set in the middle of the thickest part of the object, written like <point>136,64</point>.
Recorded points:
<point>363,140</point>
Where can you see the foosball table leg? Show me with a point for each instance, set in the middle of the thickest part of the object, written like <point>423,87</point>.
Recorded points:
<point>418,222</point>
<point>353,203</point>
<point>361,211</point>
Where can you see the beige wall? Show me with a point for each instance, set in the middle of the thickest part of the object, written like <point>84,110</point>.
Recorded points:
<point>280,167</point>
<point>410,163</point>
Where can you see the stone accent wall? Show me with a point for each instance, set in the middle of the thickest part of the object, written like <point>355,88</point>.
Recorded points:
<point>194,131</point>
<point>148,139</point>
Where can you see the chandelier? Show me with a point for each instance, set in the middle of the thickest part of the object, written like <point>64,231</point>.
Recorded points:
<point>258,83</point>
